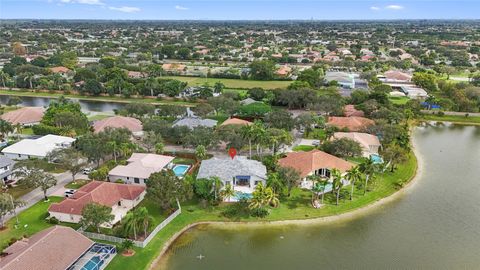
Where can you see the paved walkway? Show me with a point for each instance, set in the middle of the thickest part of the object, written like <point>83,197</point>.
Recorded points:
<point>36,195</point>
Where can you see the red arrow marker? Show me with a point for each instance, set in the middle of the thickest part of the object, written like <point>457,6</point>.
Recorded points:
<point>232,152</point>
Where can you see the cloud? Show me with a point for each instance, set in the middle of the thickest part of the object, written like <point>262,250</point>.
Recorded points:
<point>126,9</point>
<point>177,7</point>
<point>85,2</point>
<point>374,8</point>
<point>394,7</point>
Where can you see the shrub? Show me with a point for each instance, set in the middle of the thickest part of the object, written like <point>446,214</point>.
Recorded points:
<point>440,113</point>
<point>260,212</point>
<point>237,210</point>
<point>53,220</point>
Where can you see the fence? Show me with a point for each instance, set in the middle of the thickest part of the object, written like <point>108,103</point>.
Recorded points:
<point>142,244</point>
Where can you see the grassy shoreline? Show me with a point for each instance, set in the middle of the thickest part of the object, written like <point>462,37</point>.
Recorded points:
<point>457,119</point>
<point>23,93</point>
<point>294,209</point>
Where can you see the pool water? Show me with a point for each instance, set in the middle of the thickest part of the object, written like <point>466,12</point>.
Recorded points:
<point>95,263</point>
<point>377,159</point>
<point>180,170</point>
<point>240,195</point>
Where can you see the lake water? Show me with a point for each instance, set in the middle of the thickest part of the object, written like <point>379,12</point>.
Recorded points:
<point>434,225</point>
<point>87,105</point>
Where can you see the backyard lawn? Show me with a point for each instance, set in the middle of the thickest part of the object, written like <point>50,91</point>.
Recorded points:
<point>31,221</point>
<point>231,83</point>
<point>471,120</point>
<point>399,100</point>
<point>298,206</point>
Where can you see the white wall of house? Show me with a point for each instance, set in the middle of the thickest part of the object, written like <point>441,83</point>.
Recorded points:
<point>20,156</point>
<point>127,179</point>
<point>119,211</point>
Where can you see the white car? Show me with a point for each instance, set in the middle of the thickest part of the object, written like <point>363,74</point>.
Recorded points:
<point>69,192</point>
<point>87,171</point>
<point>316,143</point>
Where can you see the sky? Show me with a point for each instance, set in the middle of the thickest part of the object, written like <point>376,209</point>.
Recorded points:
<point>239,9</point>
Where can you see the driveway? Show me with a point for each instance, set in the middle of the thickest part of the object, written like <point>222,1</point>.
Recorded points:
<point>36,195</point>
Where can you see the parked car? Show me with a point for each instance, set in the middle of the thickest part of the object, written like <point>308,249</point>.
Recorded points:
<point>69,192</point>
<point>87,171</point>
<point>316,143</point>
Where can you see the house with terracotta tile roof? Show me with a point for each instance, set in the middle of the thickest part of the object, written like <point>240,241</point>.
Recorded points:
<point>26,116</point>
<point>139,168</point>
<point>236,121</point>
<point>395,76</point>
<point>120,197</point>
<point>130,123</point>
<point>174,67</point>
<point>60,70</point>
<point>354,123</point>
<point>56,248</point>
<point>370,143</point>
<point>314,162</point>
<point>349,111</point>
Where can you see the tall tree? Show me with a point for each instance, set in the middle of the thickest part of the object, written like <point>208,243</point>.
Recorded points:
<point>353,175</point>
<point>290,177</point>
<point>337,183</point>
<point>368,168</point>
<point>70,159</point>
<point>94,215</point>
<point>165,188</point>
<point>31,176</point>
<point>7,206</point>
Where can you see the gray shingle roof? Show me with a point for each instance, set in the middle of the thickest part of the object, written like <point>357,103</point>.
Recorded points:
<point>226,168</point>
<point>192,122</point>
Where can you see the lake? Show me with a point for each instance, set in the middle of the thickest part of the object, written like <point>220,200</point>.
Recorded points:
<point>87,105</point>
<point>435,224</point>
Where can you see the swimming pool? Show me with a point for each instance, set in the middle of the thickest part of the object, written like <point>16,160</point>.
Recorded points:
<point>241,195</point>
<point>377,159</point>
<point>180,170</point>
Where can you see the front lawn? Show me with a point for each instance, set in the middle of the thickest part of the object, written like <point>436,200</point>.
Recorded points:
<point>298,206</point>
<point>316,134</point>
<point>19,191</point>
<point>304,148</point>
<point>31,221</point>
<point>77,184</point>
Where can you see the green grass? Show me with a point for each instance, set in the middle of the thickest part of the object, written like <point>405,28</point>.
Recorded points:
<point>316,134</point>
<point>186,161</point>
<point>31,221</point>
<point>19,191</point>
<point>304,148</point>
<point>471,120</point>
<point>296,207</point>
<point>232,83</point>
<point>399,100</point>
<point>97,117</point>
<point>27,93</point>
<point>27,131</point>
<point>77,184</point>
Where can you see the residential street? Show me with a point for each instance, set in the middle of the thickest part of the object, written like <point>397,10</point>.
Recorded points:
<point>36,195</point>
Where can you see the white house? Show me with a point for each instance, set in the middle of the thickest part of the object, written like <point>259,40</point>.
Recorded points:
<point>37,148</point>
<point>369,143</point>
<point>120,197</point>
<point>241,173</point>
<point>139,168</point>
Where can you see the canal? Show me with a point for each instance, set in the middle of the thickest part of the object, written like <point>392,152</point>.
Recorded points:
<point>435,224</point>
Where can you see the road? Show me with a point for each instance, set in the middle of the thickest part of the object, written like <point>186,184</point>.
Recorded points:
<point>36,195</point>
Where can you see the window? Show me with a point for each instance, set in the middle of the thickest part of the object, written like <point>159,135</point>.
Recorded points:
<point>136,180</point>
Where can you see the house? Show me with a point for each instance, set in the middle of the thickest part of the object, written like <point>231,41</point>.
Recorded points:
<point>174,67</point>
<point>283,71</point>
<point>241,173</point>
<point>37,148</point>
<point>136,74</point>
<point>414,92</point>
<point>395,76</point>
<point>314,162</point>
<point>354,123</point>
<point>130,123</point>
<point>60,70</point>
<point>343,79</point>
<point>236,121</point>
<point>120,197</point>
<point>248,101</point>
<point>55,248</point>
<point>139,168</point>
<point>369,143</point>
<point>193,122</point>
<point>349,111</point>
<point>6,168</point>
<point>26,116</point>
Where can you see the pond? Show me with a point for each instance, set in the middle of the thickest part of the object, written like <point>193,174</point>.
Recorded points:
<point>87,105</point>
<point>433,225</point>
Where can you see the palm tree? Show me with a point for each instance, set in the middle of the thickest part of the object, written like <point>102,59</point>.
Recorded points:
<point>5,128</point>
<point>151,83</point>
<point>248,132</point>
<point>368,168</point>
<point>271,197</point>
<point>275,183</point>
<point>353,175</point>
<point>227,192</point>
<point>144,219</point>
<point>4,77</point>
<point>320,187</point>
<point>337,183</point>
<point>258,134</point>
<point>130,222</point>
<point>18,128</point>
<point>28,77</point>
<point>216,185</point>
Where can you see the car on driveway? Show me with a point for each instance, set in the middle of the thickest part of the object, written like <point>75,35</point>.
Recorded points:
<point>69,192</point>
